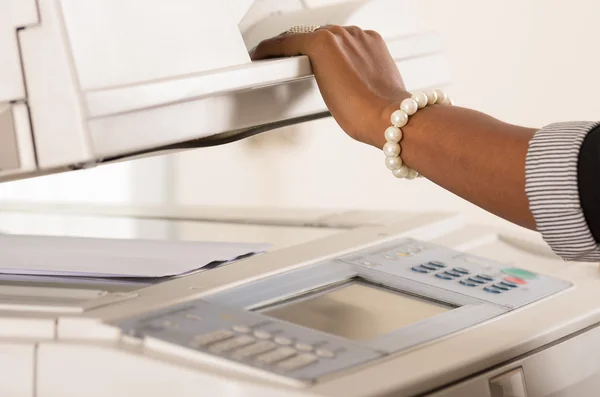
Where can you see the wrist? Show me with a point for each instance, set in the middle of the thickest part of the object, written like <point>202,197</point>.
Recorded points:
<point>384,120</point>
<point>400,124</point>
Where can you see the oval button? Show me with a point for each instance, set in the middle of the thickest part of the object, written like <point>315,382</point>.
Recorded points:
<point>492,290</point>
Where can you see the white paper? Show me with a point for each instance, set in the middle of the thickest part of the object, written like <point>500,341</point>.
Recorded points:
<point>107,258</point>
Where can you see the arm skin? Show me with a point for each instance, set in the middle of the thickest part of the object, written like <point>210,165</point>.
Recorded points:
<point>472,155</point>
<point>466,152</point>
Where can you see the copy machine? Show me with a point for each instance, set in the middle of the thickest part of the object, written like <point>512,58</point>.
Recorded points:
<point>350,304</point>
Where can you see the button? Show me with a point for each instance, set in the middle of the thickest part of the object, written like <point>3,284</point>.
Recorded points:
<point>476,280</point>
<point>485,277</point>
<point>259,347</point>
<point>461,270</point>
<point>325,353</point>
<point>276,355</point>
<point>444,276</point>
<point>280,340</point>
<point>439,265</point>
<point>231,344</point>
<point>429,267</point>
<point>207,339</point>
<point>262,334</point>
<point>509,284</point>
<point>520,273</point>
<point>468,283</point>
<point>390,257</point>
<point>242,329</point>
<point>420,269</point>
<point>492,290</point>
<point>297,362</point>
<point>303,347</point>
<point>193,316</point>
<point>402,254</point>
<point>515,280</point>
<point>452,273</point>
<point>502,287</point>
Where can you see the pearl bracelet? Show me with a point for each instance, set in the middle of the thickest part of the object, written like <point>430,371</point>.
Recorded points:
<point>393,135</point>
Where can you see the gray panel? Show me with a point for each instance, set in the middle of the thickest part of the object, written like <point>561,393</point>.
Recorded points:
<point>9,154</point>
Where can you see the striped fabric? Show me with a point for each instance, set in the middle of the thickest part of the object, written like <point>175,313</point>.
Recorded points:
<point>552,189</point>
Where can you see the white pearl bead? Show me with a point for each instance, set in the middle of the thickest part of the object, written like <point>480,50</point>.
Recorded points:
<point>401,172</point>
<point>399,118</point>
<point>410,106</point>
<point>393,134</point>
<point>442,97</point>
<point>412,174</point>
<point>421,99</point>
<point>431,97</point>
<point>393,163</point>
<point>391,149</point>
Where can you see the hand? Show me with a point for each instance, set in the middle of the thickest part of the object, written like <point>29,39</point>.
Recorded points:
<point>357,77</point>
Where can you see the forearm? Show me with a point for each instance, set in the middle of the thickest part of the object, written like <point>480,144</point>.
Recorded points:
<point>472,155</point>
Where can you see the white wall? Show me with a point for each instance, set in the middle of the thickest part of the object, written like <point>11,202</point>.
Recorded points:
<point>530,62</point>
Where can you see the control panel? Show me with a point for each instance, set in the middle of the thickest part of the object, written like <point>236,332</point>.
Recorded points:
<point>458,272</point>
<point>441,290</point>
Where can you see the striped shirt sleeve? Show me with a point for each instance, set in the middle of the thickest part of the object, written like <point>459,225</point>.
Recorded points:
<point>552,189</point>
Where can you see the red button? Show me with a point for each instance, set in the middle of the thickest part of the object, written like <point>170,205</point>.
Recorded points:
<point>515,280</point>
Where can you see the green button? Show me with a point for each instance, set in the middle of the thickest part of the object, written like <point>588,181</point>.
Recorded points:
<point>520,273</point>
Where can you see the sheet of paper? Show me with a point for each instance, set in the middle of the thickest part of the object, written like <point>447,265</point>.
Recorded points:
<point>107,258</point>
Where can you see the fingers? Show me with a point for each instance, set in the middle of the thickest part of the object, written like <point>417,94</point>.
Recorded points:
<point>281,46</point>
<point>306,43</point>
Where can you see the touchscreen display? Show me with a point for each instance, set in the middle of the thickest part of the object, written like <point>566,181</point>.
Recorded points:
<point>357,311</point>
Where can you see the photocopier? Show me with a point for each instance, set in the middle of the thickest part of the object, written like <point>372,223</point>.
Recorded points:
<point>350,303</point>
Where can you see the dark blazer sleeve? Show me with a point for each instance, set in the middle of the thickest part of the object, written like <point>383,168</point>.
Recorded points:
<point>588,173</point>
<point>562,184</point>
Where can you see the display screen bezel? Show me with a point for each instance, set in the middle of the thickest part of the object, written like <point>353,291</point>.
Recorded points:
<point>257,295</point>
